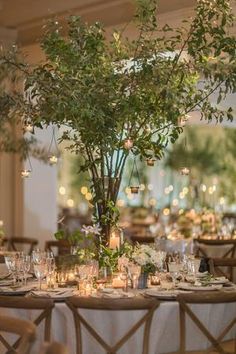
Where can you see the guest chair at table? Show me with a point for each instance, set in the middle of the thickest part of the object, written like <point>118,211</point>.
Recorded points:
<point>216,264</point>
<point>22,328</point>
<point>142,239</point>
<point>205,247</point>
<point>54,348</point>
<point>185,306</point>
<point>28,303</point>
<point>22,243</point>
<point>77,304</point>
<point>58,247</point>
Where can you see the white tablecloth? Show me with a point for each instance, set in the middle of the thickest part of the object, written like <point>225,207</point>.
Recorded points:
<point>111,325</point>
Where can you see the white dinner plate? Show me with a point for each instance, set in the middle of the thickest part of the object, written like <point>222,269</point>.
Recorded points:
<point>165,295</point>
<point>191,287</point>
<point>57,294</point>
<point>114,295</point>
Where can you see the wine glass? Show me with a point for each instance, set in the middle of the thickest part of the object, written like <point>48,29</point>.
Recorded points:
<point>40,271</point>
<point>40,265</point>
<point>134,273</point>
<point>26,264</point>
<point>174,269</point>
<point>10,261</point>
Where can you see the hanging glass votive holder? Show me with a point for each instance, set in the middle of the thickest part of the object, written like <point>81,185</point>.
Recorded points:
<point>25,173</point>
<point>134,189</point>
<point>185,171</point>
<point>53,159</point>
<point>128,144</point>
<point>28,127</point>
<point>150,162</point>
<point>183,120</point>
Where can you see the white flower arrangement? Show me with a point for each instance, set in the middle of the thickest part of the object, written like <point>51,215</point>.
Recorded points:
<point>148,258</point>
<point>94,229</point>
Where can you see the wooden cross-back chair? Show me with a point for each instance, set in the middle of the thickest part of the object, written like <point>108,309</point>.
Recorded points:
<point>185,301</point>
<point>62,247</point>
<point>142,239</point>
<point>201,250</point>
<point>75,304</point>
<point>28,303</point>
<point>54,348</point>
<point>16,243</point>
<point>216,264</point>
<point>227,249</point>
<point>24,329</point>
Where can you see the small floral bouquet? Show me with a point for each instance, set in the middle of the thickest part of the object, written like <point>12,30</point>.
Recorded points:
<point>148,258</point>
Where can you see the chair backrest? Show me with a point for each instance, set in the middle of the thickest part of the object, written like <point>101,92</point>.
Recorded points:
<point>216,265</point>
<point>16,242</point>
<point>142,239</point>
<point>227,247</point>
<point>54,348</point>
<point>62,247</point>
<point>24,329</point>
<point>28,303</point>
<point>185,301</point>
<point>75,304</point>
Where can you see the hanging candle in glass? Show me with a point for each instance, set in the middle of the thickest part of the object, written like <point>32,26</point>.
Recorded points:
<point>183,120</point>
<point>53,157</point>
<point>134,185</point>
<point>185,170</point>
<point>150,161</point>
<point>28,126</point>
<point>25,173</point>
<point>128,144</point>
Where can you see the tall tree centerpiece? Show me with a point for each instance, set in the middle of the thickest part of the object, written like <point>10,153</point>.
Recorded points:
<point>120,97</point>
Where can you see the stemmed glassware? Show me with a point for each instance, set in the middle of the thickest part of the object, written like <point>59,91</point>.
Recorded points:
<point>174,269</point>
<point>10,261</point>
<point>40,263</point>
<point>134,273</point>
<point>26,265</point>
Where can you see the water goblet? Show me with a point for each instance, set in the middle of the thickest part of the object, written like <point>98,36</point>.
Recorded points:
<point>26,265</point>
<point>40,271</point>
<point>10,261</point>
<point>174,269</point>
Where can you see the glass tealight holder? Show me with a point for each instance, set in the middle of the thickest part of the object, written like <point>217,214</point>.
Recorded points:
<point>51,281</point>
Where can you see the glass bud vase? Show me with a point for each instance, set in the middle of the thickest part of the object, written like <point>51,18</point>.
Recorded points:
<point>142,281</point>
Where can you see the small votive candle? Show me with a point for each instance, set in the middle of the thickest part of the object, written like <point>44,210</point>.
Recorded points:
<point>25,173</point>
<point>134,189</point>
<point>114,241</point>
<point>185,171</point>
<point>150,162</point>
<point>53,159</point>
<point>28,127</point>
<point>128,144</point>
<point>118,283</point>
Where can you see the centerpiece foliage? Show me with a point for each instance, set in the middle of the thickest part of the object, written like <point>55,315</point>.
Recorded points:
<point>120,97</point>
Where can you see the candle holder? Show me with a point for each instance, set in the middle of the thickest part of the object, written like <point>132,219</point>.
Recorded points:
<point>25,173</point>
<point>53,159</point>
<point>134,189</point>
<point>185,171</point>
<point>128,144</point>
<point>150,162</point>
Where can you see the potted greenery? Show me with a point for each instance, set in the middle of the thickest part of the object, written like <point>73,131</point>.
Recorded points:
<point>118,98</point>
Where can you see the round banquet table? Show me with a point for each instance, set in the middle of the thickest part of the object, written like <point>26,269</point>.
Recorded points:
<point>164,336</point>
